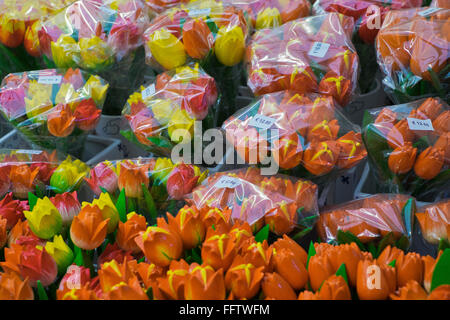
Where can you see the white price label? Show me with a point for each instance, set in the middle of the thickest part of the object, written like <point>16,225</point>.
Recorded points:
<point>319,49</point>
<point>149,91</point>
<point>50,79</point>
<point>261,121</point>
<point>420,124</point>
<point>199,12</point>
<point>227,182</point>
<point>428,12</point>
<point>28,151</point>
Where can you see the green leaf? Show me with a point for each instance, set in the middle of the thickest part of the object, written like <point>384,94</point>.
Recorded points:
<point>212,26</point>
<point>160,142</point>
<point>388,240</point>
<point>348,237</point>
<point>32,200</point>
<point>149,202</point>
<point>342,271</point>
<point>79,260</point>
<point>131,205</point>
<point>121,206</point>
<point>392,263</point>
<point>42,294</point>
<point>150,293</point>
<point>443,244</point>
<point>367,118</point>
<point>372,249</point>
<point>402,243</point>
<point>441,274</point>
<point>196,255</point>
<point>408,212</point>
<point>141,260</point>
<point>263,234</point>
<point>302,233</point>
<point>311,252</point>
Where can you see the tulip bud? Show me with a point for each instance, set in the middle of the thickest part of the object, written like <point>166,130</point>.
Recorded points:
<point>31,40</point>
<point>129,230</point>
<point>319,269</point>
<point>87,115</point>
<point>181,126</point>
<point>96,88</point>
<point>172,286</point>
<point>430,108</point>
<point>442,123</point>
<point>181,181</point>
<point>65,51</point>
<point>258,254</point>
<point>230,45</point>
<point>162,169</point>
<point>352,150</point>
<point>60,252</point>
<point>268,18</point>
<point>336,86</point>
<point>67,205</point>
<point>22,179</point>
<point>334,288</point>
<point>68,175</point>
<point>443,142</point>
<point>190,226</point>
<point>240,232</point>
<point>290,267</point>
<point>203,283</point>
<point>400,134</point>
<point>218,251</point>
<point>402,159</point>
<point>373,281</point>
<point>103,175</point>
<point>429,163</point>
<point>320,157</point>
<point>45,220</point>
<point>289,150</point>
<point>60,121</point>
<point>88,229</point>
<point>324,131</point>
<point>243,279</point>
<point>14,288</point>
<point>131,178</point>
<point>440,293</point>
<point>12,210</point>
<point>108,209</point>
<point>216,218</point>
<point>283,218</point>
<point>166,49</point>
<point>275,287</point>
<point>411,291</point>
<point>2,232</point>
<point>36,264</point>
<point>11,31</point>
<point>308,295</point>
<point>95,53</point>
<point>287,243</point>
<point>197,38</point>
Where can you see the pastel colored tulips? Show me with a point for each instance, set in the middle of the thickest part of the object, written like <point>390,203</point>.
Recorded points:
<point>103,175</point>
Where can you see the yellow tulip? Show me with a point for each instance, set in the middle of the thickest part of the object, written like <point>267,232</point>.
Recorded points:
<point>163,167</point>
<point>163,110</point>
<point>65,52</point>
<point>67,95</point>
<point>44,220</point>
<point>95,88</point>
<point>108,209</point>
<point>95,53</point>
<point>68,175</point>
<point>181,120</point>
<point>167,49</point>
<point>230,45</point>
<point>268,18</point>
<point>60,252</point>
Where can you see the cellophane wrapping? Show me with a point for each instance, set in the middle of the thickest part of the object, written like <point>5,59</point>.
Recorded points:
<point>284,203</point>
<point>164,113</point>
<point>386,218</point>
<point>150,185</point>
<point>53,108</point>
<point>440,4</point>
<point>409,147</point>
<point>306,134</point>
<point>413,51</point>
<point>434,221</point>
<point>39,172</point>
<point>310,55</point>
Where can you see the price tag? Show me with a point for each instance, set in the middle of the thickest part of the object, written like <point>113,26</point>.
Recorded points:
<point>420,124</point>
<point>262,122</point>
<point>28,151</point>
<point>227,182</point>
<point>428,12</point>
<point>319,49</point>
<point>149,91</point>
<point>50,79</point>
<point>199,12</point>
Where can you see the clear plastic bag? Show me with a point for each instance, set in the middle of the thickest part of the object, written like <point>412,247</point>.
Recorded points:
<point>310,55</point>
<point>409,147</point>
<point>284,203</point>
<point>39,172</point>
<point>54,108</point>
<point>387,217</point>
<point>440,4</point>
<point>413,52</point>
<point>164,113</point>
<point>305,133</point>
<point>434,221</point>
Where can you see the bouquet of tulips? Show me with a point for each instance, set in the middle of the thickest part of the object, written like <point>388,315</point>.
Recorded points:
<point>440,4</point>
<point>53,108</point>
<point>164,113</point>
<point>37,172</point>
<point>100,36</point>
<point>381,218</point>
<point>413,52</point>
<point>409,147</point>
<point>281,203</point>
<point>147,185</point>
<point>310,55</point>
<point>304,133</point>
<point>434,220</point>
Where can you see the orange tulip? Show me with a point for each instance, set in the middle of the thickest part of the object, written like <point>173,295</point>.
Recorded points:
<point>240,233</point>
<point>394,48</point>
<point>294,9</point>
<point>189,225</point>
<point>127,231</point>
<point>321,109</point>
<point>402,159</point>
<point>219,251</point>
<point>442,123</point>
<point>258,254</point>
<point>243,279</point>
<point>336,86</point>
<point>3,223</point>
<point>31,40</point>
<point>288,151</point>
<point>374,281</point>
<point>36,264</point>
<point>308,295</point>
<point>217,218</point>
<point>83,293</point>
<point>112,273</point>
<point>197,38</point>
<point>429,51</point>
<point>160,244</point>
<point>412,290</point>
<point>290,267</point>
<point>320,157</point>
<point>11,31</point>
<point>22,180</point>
<point>61,121</point>
<point>148,273</point>
<point>143,126</point>
<point>20,230</point>
<point>275,287</point>
<point>440,293</point>
<point>352,150</point>
<point>87,115</point>
<point>386,116</point>
<point>13,288</point>
<point>283,218</point>
<point>88,229</point>
<point>319,269</point>
<point>435,222</point>
<point>408,267</point>
<point>335,288</point>
<point>400,134</point>
<point>429,163</point>
<point>430,108</point>
<point>132,176</point>
<point>172,285</point>
<point>428,264</point>
<point>203,283</point>
<point>130,290</point>
<point>301,79</point>
<point>290,245</point>
<point>444,143</point>
<point>348,254</point>
<point>324,131</point>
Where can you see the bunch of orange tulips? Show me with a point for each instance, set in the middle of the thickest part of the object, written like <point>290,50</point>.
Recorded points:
<point>310,55</point>
<point>434,220</point>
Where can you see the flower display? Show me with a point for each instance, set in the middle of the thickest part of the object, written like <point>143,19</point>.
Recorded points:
<point>310,55</point>
<point>282,203</point>
<point>434,220</point>
<point>163,114</point>
<point>408,147</point>
<point>412,51</point>
<point>53,108</point>
<point>305,130</point>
